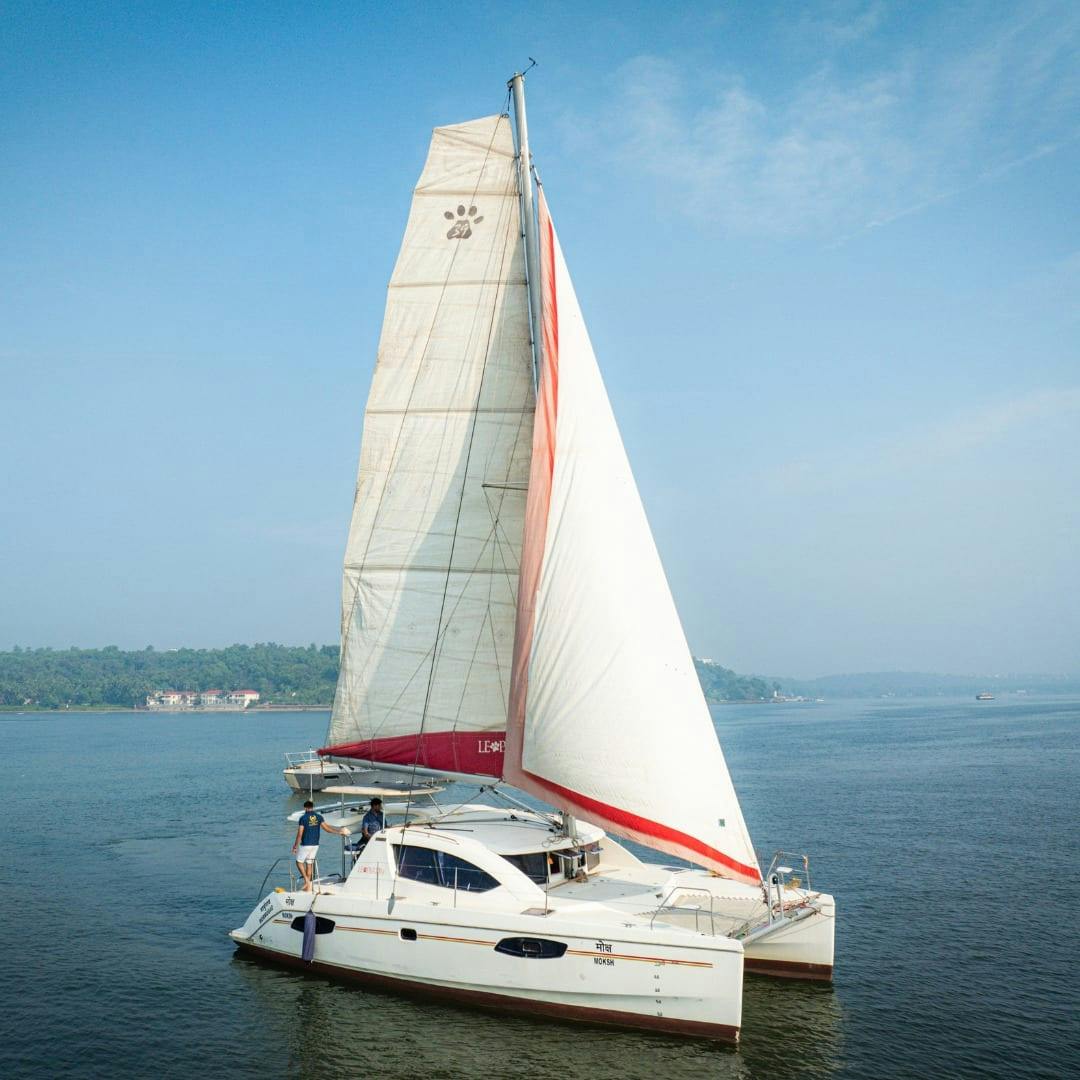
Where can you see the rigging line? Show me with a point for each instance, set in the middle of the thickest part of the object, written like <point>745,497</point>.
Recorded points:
<point>509,575</point>
<point>465,802</point>
<point>487,621</point>
<point>497,251</point>
<point>524,419</point>
<point>419,369</point>
<point>424,658</point>
<point>454,538</point>
<point>504,571</point>
<point>347,622</point>
<point>496,552</point>
<point>468,671</point>
<point>440,629</point>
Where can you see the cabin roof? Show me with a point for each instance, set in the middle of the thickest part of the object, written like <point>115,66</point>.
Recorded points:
<point>505,832</point>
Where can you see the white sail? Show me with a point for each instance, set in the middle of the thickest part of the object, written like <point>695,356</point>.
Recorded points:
<point>607,717</point>
<point>431,567</point>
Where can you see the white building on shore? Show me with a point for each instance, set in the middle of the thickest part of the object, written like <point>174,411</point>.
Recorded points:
<point>200,701</point>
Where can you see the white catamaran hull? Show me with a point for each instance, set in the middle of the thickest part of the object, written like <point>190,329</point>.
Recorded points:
<point>796,948</point>
<point>645,979</point>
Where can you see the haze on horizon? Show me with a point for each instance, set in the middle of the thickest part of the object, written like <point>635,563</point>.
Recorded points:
<point>830,262</point>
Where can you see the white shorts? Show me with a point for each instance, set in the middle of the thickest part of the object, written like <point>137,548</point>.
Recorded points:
<point>307,853</point>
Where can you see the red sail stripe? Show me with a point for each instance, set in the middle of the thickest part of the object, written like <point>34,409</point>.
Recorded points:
<point>622,821</point>
<point>539,500</point>
<point>537,510</point>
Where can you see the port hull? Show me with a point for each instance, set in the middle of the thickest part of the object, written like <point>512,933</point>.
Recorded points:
<point>498,1002</point>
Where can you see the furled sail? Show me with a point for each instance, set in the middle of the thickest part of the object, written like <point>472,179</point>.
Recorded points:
<point>607,717</point>
<point>431,566</point>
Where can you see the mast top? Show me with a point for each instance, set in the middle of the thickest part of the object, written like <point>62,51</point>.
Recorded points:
<point>521,74</point>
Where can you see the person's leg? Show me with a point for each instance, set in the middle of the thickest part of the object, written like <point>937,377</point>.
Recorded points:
<point>305,873</point>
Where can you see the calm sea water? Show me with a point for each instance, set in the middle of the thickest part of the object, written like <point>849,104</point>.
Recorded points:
<point>948,831</point>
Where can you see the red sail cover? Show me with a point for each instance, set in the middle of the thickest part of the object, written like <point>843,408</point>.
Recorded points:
<point>444,751</point>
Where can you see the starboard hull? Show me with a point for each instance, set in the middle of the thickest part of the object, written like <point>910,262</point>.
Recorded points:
<point>800,948</point>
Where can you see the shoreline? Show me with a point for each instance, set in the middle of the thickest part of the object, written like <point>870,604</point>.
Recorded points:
<point>27,710</point>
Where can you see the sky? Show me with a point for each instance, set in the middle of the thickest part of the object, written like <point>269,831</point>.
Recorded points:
<point>829,255</point>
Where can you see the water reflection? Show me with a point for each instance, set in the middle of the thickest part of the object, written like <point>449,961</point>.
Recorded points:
<point>337,1030</point>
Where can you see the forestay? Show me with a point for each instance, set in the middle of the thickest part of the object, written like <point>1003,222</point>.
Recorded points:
<point>431,567</point>
<point>607,717</point>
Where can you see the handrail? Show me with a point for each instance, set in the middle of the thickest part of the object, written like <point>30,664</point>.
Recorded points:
<point>300,757</point>
<point>804,859</point>
<point>273,867</point>
<point>666,906</point>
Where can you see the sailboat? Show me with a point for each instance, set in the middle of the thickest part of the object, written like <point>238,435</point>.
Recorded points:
<point>506,622</point>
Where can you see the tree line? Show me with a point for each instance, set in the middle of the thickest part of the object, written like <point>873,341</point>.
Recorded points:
<point>112,677</point>
<point>282,674</point>
<point>723,684</point>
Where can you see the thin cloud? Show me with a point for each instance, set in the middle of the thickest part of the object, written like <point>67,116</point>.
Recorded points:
<point>927,447</point>
<point>843,152</point>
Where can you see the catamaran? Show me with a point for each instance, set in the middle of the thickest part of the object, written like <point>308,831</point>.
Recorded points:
<point>506,622</point>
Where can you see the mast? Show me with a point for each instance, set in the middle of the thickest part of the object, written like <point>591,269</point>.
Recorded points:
<point>528,217</point>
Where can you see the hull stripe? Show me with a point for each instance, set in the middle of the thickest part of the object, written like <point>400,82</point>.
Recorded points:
<point>492,944</point>
<point>788,969</point>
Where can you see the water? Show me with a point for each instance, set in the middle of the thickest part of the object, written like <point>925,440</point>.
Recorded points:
<point>946,829</point>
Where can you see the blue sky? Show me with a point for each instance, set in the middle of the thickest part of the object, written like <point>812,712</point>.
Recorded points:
<point>829,255</point>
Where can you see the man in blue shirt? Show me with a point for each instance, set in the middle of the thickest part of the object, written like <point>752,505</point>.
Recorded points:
<point>306,845</point>
<point>374,820</point>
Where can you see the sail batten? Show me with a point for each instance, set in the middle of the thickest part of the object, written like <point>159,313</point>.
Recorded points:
<point>430,576</point>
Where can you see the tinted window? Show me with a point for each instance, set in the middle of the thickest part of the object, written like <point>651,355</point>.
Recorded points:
<point>417,864</point>
<point>533,865</point>
<point>463,875</point>
<point>531,948</point>
<point>439,868</point>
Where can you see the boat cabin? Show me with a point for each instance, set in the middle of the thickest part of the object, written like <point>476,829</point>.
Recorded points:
<point>477,849</point>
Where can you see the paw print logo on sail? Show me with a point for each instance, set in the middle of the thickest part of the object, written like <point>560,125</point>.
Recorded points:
<point>461,229</point>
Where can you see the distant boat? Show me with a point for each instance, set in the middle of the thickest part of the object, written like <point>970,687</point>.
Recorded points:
<point>307,773</point>
<point>984,696</point>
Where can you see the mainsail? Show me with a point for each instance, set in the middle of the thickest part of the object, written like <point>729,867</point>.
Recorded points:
<point>473,619</point>
<point>607,716</point>
<point>431,566</point>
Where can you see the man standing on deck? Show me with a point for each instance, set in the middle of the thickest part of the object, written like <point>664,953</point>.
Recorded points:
<point>306,845</point>
<point>374,820</point>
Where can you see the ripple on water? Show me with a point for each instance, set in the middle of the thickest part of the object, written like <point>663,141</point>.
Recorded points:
<point>947,832</point>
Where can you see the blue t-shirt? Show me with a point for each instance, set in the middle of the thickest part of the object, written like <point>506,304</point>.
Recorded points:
<point>373,822</point>
<point>311,823</point>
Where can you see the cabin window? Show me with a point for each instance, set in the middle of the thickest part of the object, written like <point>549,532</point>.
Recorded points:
<point>408,933</point>
<point>457,873</point>
<point>531,948</point>
<point>533,865</point>
<point>441,868</point>
<point>417,864</point>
